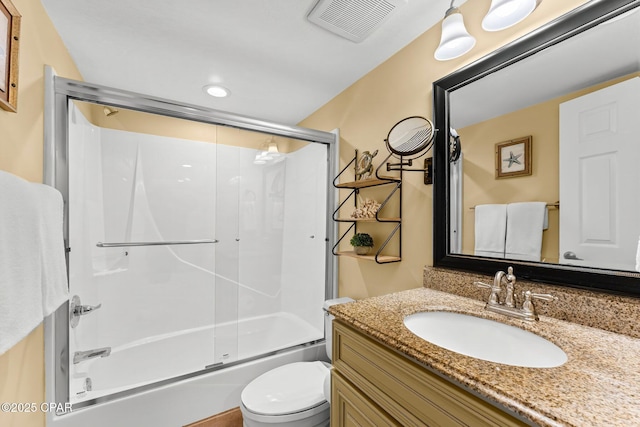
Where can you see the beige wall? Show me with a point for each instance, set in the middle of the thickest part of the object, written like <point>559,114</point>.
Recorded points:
<point>153,124</point>
<point>21,149</point>
<point>480,185</point>
<point>366,111</point>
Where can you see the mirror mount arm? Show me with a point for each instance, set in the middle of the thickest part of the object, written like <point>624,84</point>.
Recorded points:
<point>427,170</point>
<point>400,166</point>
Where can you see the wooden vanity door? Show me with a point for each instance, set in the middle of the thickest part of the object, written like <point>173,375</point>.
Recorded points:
<point>349,408</point>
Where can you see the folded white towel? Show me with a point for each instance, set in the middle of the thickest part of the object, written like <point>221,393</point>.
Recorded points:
<point>525,222</point>
<point>490,230</point>
<point>33,275</point>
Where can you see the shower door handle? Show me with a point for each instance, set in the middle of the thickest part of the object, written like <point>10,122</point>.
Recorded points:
<point>167,243</point>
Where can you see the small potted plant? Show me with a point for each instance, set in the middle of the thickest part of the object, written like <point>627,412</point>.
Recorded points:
<point>362,243</point>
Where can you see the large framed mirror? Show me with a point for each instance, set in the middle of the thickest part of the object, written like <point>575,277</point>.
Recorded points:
<point>571,84</point>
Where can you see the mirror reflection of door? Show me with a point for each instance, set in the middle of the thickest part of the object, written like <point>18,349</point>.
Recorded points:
<point>600,177</point>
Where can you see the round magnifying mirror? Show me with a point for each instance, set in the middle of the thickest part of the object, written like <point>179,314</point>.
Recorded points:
<point>410,137</point>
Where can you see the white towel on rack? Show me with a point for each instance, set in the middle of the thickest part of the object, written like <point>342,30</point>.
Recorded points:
<point>33,274</point>
<point>490,230</point>
<point>525,223</point>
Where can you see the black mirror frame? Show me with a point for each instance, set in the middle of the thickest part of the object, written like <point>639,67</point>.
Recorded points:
<point>568,25</point>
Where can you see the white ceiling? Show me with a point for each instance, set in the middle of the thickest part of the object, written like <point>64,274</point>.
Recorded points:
<point>278,66</point>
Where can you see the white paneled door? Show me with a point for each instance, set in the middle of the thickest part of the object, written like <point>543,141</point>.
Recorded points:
<point>600,177</point>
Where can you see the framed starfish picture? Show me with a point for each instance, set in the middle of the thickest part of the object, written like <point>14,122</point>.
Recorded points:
<point>513,158</point>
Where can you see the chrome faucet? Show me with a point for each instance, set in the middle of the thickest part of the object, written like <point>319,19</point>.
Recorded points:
<point>76,309</point>
<point>508,306</point>
<point>81,356</point>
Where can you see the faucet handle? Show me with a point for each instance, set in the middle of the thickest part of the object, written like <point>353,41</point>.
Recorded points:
<point>81,310</point>
<point>544,297</point>
<point>527,305</point>
<point>76,309</point>
<point>483,285</point>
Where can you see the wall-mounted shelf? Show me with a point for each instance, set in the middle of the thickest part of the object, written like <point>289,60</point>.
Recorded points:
<point>365,183</point>
<point>382,219</point>
<point>380,259</point>
<point>395,184</point>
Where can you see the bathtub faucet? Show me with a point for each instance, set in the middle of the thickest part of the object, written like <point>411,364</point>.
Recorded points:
<point>81,356</point>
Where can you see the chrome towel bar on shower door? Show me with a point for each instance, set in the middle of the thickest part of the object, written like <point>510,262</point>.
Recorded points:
<point>174,242</point>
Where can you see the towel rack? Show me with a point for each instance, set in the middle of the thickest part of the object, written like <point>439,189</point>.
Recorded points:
<point>549,205</point>
<point>173,242</point>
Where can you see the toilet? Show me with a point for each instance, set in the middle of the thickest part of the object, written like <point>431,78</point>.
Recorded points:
<point>292,395</point>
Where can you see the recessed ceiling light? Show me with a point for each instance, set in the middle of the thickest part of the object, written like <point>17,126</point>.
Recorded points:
<point>217,91</point>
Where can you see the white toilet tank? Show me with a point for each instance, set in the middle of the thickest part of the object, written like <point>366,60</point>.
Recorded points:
<point>328,321</point>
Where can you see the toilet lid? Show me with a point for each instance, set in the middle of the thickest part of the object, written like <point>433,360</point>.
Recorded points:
<point>290,388</point>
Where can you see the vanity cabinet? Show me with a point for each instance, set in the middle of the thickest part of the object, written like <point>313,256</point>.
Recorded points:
<point>394,185</point>
<point>373,385</point>
<point>350,407</point>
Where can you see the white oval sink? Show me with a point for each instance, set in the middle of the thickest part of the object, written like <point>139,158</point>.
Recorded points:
<point>485,339</point>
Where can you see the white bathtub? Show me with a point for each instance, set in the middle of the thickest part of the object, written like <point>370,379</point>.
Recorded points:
<point>195,398</point>
<point>185,401</point>
<point>172,355</point>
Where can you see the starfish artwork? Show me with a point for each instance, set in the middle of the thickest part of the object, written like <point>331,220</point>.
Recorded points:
<point>513,158</point>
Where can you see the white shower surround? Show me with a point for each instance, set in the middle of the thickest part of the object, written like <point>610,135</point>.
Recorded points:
<point>173,189</point>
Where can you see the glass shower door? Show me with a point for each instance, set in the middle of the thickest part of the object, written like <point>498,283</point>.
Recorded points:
<point>142,261</point>
<point>188,253</point>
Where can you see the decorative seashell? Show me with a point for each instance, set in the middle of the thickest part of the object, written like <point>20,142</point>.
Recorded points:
<point>367,209</point>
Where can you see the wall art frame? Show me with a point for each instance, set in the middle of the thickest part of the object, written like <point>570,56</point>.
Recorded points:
<point>9,45</point>
<point>513,158</point>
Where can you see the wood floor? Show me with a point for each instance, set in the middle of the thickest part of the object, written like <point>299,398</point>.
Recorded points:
<point>230,418</point>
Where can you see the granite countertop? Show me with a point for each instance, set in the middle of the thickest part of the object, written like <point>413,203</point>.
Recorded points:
<point>599,385</point>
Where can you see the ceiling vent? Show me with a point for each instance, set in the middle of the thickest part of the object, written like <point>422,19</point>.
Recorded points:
<point>353,19</point>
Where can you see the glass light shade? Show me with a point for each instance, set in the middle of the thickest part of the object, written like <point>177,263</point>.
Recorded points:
<point>455,40</point>
<point>273,148</point>
<point>507,13</point>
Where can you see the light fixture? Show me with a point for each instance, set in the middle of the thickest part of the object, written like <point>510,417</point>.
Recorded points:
<point>506,13</point>
<point>217,91</point>
<point>455,40</point>
<point>269,152</point>
<point>273,147</point>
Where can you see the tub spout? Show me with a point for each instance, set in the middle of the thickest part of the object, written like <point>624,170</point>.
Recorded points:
<point>81,356</point>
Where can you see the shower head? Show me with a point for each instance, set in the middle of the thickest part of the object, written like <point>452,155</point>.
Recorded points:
<point>110,111</point>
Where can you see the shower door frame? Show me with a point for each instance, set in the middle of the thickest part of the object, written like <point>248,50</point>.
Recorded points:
<point>58,92</point>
